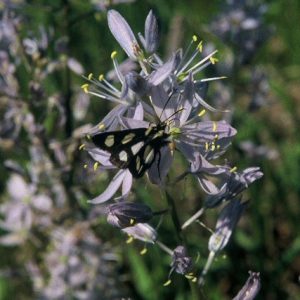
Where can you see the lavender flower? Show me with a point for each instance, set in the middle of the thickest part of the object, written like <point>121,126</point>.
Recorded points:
<point>160,108</point>
<point>181,262</point>
<point>24,210</point>
<point>250,289</point>
<point>142,231</point>
<point>241,24</point>
<point>227,221</point>
<point>234,183</point>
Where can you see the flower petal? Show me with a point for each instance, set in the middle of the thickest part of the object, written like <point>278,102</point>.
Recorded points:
<point>163,72</point>
<point>127,184</point>
<point>111,189</point>
<point>227,220</point>
<point>188,95</point>
<point>122,33</point>
<point>151,33</point>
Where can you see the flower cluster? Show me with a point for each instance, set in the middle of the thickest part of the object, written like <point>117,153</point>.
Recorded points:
<point>159,111</point>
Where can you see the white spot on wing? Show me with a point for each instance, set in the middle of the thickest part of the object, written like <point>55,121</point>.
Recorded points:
<point>123,156</point>
<point>138,164</point>
<point>109,141</point>
<point>137,147</point>
<point>128,138</point>
<point>148,154</point>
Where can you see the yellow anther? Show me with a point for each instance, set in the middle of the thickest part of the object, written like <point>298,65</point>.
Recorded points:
<point>85,87</point>
<point>202,113</point>
<point>88,136</point>
<point>213,146</point>
<point>195,38</point>
<point>101,126</point>
<point>218,147</point>
<point>81,147</point>
<point>132,221</point>
<point>90,76</point>
<point>189,276</point>
<point>167,282</point>
<point>113,54</point>
<point>194,279</point>
<point>96,165</point>
<point>233,170</point>
<point>85,166</point>
<point>200,46</point>
<point>213,60</point>
<point>129,240</point>
<point>144,251</point>
<point>101,77</point>
<point>214,126</point>
<point>216,136</point>
<point>206,146</point>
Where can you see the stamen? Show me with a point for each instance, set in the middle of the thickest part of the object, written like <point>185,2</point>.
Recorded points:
<point>200,46</point>
<point>213,78</point>
<point>90,76</point>
<point>206,146</point>
<point>202,61</point>
<point>233,170</point>
<point>144,251</point>
<point>213,146</point>
<point>85,87</point>
<point>195,38</point>
<point>81,147</point>
<point>214,126</point>
<point>96,165</point>
<point>101,77</point>
<point>202,113</point>
<point>85,166</point>
<point>116,67</point>
<point>129,240</point>
<point>113,54</point>
<point>167,282</point>
<point>213,60</point>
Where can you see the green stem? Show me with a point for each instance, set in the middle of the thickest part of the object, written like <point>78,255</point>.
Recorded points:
<point>196,293</point>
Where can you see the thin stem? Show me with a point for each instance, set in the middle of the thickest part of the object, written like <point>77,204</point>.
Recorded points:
<point>174,216</point>
<point>68,91</point>
<point>193,218</point>
<point>164,247</point>
<point>206,268</point>
<point>196,293</point>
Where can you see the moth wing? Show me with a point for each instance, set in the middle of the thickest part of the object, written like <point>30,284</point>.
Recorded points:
<point>113,141</point>
<point>143,160</point>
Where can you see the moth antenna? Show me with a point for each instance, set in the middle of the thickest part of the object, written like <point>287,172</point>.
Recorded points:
<point>177,111</point>
<point>169,98</point>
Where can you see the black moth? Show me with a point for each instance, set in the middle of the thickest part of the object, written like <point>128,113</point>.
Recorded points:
<point>133,149</point>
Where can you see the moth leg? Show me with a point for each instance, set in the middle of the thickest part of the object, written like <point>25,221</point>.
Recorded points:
<point>158,163</point>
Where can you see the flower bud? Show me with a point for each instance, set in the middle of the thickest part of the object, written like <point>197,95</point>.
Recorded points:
<point>181,262</point>
<point>126,214</point>
<point>142,232</point>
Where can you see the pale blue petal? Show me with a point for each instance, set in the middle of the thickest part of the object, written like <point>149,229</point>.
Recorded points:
<point>122,33</point>
<point>111,189</point>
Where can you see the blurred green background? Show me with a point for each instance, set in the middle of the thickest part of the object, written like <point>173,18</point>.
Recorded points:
<point>267,239</point>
